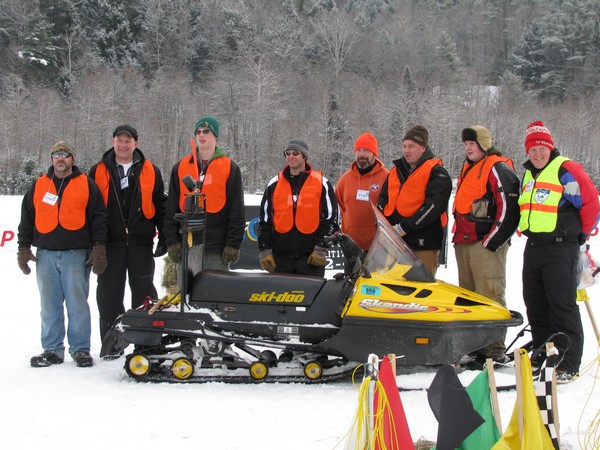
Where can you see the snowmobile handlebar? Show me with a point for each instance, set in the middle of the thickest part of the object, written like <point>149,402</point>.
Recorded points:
<point>193,219</point>
<point>352,252</point>
<point>190,183</point>
<point>333,239</point>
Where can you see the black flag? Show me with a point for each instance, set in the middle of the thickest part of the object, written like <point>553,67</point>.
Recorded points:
<point>453,409</point>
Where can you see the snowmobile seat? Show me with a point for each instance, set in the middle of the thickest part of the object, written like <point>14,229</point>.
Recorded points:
<point>213,286</point>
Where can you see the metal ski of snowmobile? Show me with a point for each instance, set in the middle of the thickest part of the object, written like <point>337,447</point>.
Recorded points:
<point>228,324</point>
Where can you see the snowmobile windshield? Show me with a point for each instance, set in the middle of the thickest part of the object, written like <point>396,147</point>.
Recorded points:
<point>390,256</point>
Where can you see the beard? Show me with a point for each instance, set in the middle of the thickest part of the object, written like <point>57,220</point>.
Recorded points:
<point>363,163</point>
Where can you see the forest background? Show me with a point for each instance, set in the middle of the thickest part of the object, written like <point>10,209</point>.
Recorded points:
<point>273,70</point>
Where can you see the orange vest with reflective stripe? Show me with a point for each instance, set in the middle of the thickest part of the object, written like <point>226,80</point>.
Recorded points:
<point>146,179</point>
<point>214,185</point>
<point>69,212</point>
<point>308,205</point>
<point>407,198</point>
<point>472,183</point>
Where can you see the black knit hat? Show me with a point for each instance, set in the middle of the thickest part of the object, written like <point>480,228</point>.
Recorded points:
<point>297,144</point>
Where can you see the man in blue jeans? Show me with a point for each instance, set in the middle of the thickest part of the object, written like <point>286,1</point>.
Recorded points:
<point>64,216</point>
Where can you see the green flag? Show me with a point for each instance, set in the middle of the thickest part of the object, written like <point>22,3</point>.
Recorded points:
<point>487,434</point>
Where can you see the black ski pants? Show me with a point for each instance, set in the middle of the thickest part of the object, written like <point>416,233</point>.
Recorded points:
<point>135,263</point>
<point>549,292</point>
<point>297,265</point>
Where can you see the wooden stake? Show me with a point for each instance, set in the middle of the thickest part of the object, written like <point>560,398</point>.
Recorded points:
<point>519,384</point>
<point>582,295</point>
<point>489,362</point>
<point>550,349</point>
<point>392,358</point>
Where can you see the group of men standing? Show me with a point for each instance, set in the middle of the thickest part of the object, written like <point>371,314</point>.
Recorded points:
<point>555,205</point>
<point>107,221</point>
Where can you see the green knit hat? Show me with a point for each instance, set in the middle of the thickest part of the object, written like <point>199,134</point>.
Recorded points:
<point>208,122</point>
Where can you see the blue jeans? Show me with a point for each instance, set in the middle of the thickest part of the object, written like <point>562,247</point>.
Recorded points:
<point>63,277</point>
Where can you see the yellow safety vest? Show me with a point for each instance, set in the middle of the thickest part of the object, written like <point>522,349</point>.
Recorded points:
<point>540,198</point>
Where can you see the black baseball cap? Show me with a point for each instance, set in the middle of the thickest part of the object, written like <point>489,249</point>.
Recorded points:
<point>127,129</point>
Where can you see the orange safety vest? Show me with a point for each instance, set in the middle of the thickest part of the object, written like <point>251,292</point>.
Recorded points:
<point>69,212</point>
<point>214,185</point>
<point>146,179</point>
<point>472,183</point>
<point>407,198</point>
<point>308,205</point>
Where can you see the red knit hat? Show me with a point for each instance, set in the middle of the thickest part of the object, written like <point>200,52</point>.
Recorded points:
<point>368,142</point>
<point>538,134</point>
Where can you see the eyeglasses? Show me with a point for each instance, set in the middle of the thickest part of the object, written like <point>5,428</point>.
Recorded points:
<point>203,131</point>
<point>291,152</point>
<point>57,155</point>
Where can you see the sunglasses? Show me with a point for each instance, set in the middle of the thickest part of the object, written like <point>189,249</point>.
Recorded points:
<point>63,155</point>
<point>291,152</point>
<point>203,131</point>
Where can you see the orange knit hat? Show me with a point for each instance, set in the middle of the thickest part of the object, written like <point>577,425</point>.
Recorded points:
<point>368,142</point>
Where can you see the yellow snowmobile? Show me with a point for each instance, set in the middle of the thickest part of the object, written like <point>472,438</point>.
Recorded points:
<point>234,326</point>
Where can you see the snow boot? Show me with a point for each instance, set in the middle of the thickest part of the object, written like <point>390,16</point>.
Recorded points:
<point>83,359</point>
<point>45,359</point>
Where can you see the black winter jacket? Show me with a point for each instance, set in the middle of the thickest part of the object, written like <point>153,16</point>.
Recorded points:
<point>94,230</point>
<point>424,230</point>
<point>127,223</point>
<point>295,244</point>
<point>224,228</point>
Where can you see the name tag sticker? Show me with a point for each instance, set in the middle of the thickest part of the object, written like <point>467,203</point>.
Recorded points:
<point>50,199</point>
<point>124,183</point>
<point>362,195</point>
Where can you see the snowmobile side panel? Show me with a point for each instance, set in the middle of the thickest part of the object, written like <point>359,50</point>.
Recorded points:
<point>140,337</point>
<point>419,342</point>
<point>328,306</point>
<point>141,328</point>
<point>409,300</point>
<point>210,286</point>
<point>308,300</point>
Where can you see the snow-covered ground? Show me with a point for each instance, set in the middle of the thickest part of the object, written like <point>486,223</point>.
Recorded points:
<point>65,407</point>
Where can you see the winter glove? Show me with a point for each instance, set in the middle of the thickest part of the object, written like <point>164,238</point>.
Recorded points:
<point>318,256</point>
<point>161,247</point>
<point>174,251</point>
<point>97,258</point>
<point>582,238</point>
<point>267,262</point>
<point>400,230</point>
<point>230,255</point>
<point>24,255</point>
